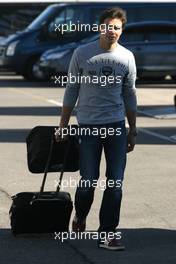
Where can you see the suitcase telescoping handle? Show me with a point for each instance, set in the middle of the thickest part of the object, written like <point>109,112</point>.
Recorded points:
<point>48,163</point>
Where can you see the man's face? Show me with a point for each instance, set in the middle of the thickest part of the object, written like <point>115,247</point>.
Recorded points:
<point>110,33</point>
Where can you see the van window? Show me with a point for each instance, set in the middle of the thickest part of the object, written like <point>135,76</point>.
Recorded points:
<point>149,34</point>
<point>132,35</point>
<point>139,12</point>
<point>66,19</point>
<point>96,12</point>
<point>59,19</point>
<point>151,12</point>
<point>41,19</point>
<point>161,33</point>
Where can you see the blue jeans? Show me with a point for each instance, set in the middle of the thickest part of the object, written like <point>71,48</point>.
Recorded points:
<point>90,156</point>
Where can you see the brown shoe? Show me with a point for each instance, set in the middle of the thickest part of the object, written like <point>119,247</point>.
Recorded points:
<point>111,244</point>
<point>78,226</point>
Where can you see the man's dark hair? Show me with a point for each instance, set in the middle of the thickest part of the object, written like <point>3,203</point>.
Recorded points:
<point>115,12</point>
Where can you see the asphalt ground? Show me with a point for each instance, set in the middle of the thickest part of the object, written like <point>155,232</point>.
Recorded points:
<point>148,214</point>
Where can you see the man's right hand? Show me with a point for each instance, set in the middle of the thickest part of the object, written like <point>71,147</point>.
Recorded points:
<point>58,135</point>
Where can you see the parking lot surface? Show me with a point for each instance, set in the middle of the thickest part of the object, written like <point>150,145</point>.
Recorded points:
<point>148,215</point>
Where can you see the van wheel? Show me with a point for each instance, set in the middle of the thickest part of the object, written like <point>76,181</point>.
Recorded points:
<point>29,73</point>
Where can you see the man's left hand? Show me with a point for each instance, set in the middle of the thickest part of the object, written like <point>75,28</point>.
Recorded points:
<point>131,142</point>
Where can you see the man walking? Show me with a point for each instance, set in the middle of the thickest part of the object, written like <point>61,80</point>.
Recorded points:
<point>102,105</point>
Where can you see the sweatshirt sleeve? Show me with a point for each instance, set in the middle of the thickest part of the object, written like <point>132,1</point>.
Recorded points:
<point>129,87</point>
<point>72,86</point>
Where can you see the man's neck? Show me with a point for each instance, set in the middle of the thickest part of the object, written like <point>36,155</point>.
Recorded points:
<point>107,46</point>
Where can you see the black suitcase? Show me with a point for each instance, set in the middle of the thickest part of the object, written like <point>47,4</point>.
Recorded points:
<point>38,144</point>
<point>42,212</point>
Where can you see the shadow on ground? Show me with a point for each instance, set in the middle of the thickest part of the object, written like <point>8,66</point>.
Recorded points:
<point>13,83</point>
<point>143,246</point>
<point>56,110</point>
<point>30,111</point>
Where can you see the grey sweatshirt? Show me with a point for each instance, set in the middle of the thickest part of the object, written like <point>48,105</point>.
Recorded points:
<point>103,82</point>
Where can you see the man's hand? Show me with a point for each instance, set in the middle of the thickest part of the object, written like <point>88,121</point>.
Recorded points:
<point>131,141</point>
<point>131,138</point>
<point>58,135</point>
<point>65,116</point>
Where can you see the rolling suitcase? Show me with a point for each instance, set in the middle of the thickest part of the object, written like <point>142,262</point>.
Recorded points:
<point>42,212</point>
